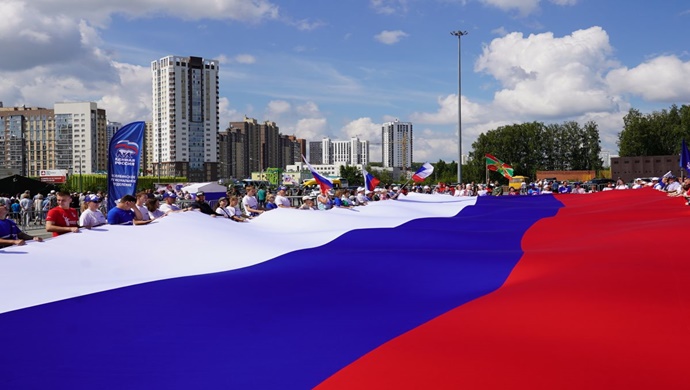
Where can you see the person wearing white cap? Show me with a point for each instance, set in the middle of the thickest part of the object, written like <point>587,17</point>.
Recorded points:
<point>361,198</point>
<point>307,203</point>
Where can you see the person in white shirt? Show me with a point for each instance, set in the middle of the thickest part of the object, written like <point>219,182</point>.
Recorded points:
<point>234,206</point>
<point>27,206</point>
<point>281,199</point>
<point>169,198</point>
<point>361,197</point>
<point>250,204</point>
<point>38,209</point>
<point>153,208</point>
<point>91,216</point>
<point>673,188</point>
<point>142,197</point>
<point>578,189</point>
<point>620,185</point>
<point>638,184</point>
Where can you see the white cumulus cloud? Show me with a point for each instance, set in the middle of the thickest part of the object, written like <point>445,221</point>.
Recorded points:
<point>390,37</point>
<point>661,79</point>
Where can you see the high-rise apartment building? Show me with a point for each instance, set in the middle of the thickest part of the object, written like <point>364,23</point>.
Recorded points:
<point>110,129</point>
<point>233,153</point>
<point>146,163</point>
<point>71,136</point>
<point>396,144</point>
<point>185,117</point>
<point>292,149</point>
<point>316,152</point>
<point>89,147</point>
<point>351,152</point>
<point>27,140</point>
<point>249,146</point>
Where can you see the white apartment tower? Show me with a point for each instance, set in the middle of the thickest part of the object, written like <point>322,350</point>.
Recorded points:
<point>81,135</point>
<point>352,152</point>
<point>185,117</point>
<point>396,144</point>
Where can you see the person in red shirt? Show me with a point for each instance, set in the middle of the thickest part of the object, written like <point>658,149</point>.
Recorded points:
<point>62,218</point>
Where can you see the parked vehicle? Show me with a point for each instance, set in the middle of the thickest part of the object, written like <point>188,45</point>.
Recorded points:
<point>516,182</point>
<point>598,183</point>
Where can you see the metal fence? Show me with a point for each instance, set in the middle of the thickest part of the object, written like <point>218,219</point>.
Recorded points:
<point>32,220</point>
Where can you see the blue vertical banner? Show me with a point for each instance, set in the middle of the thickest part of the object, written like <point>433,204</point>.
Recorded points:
<point>124,154</point>
<point>685,157</point>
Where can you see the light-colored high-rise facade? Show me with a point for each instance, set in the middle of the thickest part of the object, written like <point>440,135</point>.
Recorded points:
<point>70,136</point>
<point>89,146</point>
<point>396,144</point>
<point>351,152</point>
<point>185,117</point>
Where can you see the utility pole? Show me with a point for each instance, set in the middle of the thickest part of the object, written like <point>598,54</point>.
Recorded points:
<point>459,34</point>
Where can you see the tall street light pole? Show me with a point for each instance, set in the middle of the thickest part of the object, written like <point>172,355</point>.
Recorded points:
<point>459,34</point>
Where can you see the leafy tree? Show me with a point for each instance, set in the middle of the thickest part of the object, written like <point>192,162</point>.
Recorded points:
<point>352,175</point>
<point>529,147</point>
<point>656,134</point>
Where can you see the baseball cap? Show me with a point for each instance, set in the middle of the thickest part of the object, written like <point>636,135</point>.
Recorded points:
<point>92,198</point>
<point>200,193</point>
<point>169,195</point>
<point>282,188</point>
<point>307,197</point>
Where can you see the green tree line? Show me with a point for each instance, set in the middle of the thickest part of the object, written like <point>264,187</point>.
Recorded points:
<point>656,134</point>
<point>535,146</point>
<point>96,182</point>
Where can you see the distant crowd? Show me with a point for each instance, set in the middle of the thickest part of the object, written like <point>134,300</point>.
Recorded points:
<point>63,212</point>
<point>669,184</point>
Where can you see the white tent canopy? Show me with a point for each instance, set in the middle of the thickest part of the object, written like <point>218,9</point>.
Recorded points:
<point>212,190</point>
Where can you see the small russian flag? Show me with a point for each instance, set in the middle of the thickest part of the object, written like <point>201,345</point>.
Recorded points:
<point>324,183</point>
<point>370,182</point>
<point>423,172</point>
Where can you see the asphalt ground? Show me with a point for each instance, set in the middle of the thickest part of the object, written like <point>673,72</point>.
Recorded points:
<point>37,231</point>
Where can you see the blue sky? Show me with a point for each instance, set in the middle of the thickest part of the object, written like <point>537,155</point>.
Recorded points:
<point>342,68</point>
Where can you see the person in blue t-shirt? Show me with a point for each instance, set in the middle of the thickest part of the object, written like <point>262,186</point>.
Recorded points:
<point>564,188</point>
<point>126,213</point>
<point>270,202</point>
<point>10,234</point>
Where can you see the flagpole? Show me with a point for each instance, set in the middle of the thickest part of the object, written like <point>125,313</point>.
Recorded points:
<point>400,189</point>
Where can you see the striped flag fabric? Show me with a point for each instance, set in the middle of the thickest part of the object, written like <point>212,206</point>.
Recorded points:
<point>496,165</point>
<point>324,183</point>
<point>325,307</point>
<point>370,182</point>
<point>423,172</point>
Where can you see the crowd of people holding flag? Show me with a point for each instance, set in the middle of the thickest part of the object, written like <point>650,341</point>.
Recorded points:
<point>126,208</point>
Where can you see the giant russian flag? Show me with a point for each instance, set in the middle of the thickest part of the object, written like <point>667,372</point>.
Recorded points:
<point>566,291</point>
